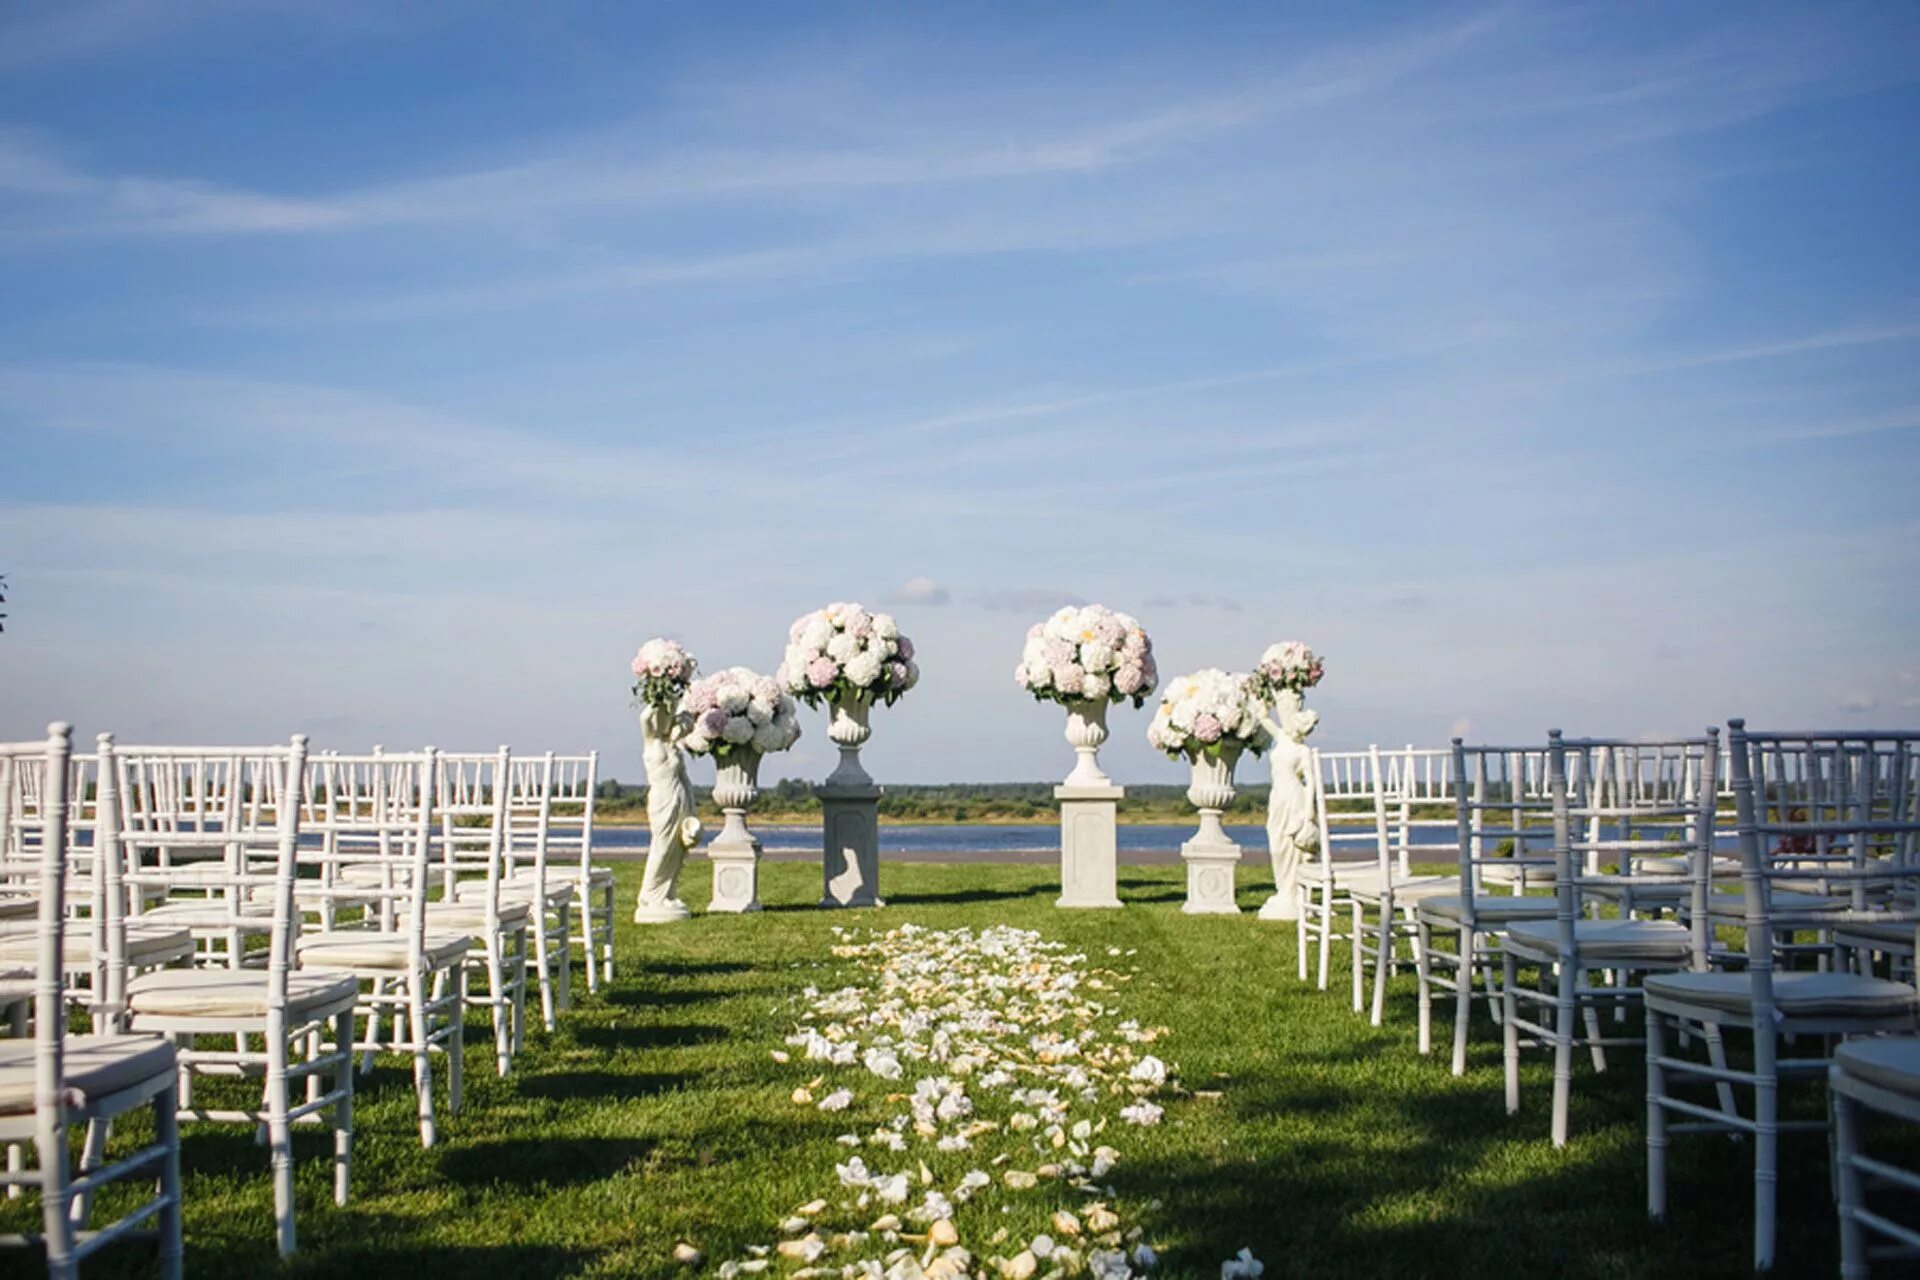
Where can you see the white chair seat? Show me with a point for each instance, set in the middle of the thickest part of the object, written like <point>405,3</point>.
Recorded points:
<point>1660,941</point>
<point>1500,909</point>
<point>472,916</point>
<point>95,1067</point>
<point>234,993</point>
<point>567,875</point>
<point>209,913</point>
<point>1897,933</point>
<point>355,949</point>
<point>146,945</point>
<point>1680,866</point>
<point>18,906</point>
<point>1890,1062</point>
<point>371,873</point>
<point>1732,906</point>
<point>1410,889</point>
<point>1806,995</point>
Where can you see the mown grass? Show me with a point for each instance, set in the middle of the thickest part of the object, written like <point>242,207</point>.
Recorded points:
<point>655,1113</point>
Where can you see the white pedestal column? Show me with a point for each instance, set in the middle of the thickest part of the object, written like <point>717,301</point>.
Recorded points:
<point>851,826</point>
<point>735,852</point>
<point>1089,837</point>
<point>1211,855</point>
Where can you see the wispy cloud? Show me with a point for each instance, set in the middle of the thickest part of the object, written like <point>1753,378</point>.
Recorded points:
<point>923,591</point>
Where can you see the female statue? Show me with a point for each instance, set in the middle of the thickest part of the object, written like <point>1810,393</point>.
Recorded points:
<point>672,827</point>
<point>1292,832</point>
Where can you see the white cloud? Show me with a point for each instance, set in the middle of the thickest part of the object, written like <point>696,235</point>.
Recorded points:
<point>924,591</point>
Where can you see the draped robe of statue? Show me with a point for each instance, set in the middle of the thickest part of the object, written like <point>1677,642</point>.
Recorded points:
<point>672,827</point>
<point>1293,832</point>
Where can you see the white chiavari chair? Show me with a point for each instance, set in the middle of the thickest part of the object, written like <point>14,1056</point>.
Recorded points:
<point>301,1020</point>
<point>1791,792</point>
<point>1867,945</point>
<point>472,793</point>
<point>1617,801</point>
<point>55,1081</point>
<point>379,821</point>
<point>570,860</point>
<point>527,877</point>
<point>1504,827</point>
<point>1351,818</point>
<point>1880,1077</point>
<point>1416,786</point>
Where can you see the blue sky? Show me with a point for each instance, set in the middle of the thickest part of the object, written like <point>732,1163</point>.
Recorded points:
<point>390,372</point>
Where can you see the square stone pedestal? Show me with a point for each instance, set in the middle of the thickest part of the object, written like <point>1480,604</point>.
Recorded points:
<point>736,873</point>
<point>1211,858</point>
<point>851,830</point>
<point>1089,840</point>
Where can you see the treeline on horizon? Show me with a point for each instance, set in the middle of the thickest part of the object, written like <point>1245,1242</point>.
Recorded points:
<point>944,802</point>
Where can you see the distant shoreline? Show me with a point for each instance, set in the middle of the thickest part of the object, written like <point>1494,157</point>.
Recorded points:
<point>813,820</point>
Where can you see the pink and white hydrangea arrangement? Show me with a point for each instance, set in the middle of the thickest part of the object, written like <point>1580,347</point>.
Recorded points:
<point>662,670</point>
<point>1088,654</point>
<point>842,651</point>
<point>1288,666</point>
<point>1201,713</point>
<point>736,710</point>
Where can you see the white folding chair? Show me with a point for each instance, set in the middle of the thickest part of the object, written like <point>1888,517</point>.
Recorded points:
<point>1788,788</point>
<point>1878,1076</point>
<point>472,809</point>
<point>57,1081</point>
<point>570,860</point>
<point>1619,801</point>
<point>303,1021</point>
<point>527,876</point>
<point>379,820</point>
<point>1504,828</point>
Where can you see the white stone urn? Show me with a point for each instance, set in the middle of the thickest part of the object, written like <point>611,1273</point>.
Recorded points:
<point>847,726</point>
<point>736,850</point>
<point>1086,730</point>
<point>1211,856</point>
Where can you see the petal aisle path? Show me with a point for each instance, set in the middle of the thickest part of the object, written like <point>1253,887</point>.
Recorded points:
<point>1003,1069</point>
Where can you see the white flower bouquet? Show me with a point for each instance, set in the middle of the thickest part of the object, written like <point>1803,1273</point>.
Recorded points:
<point>1090,654</point>
<point>662,670</point>
<point>1288,666</point>
<point>1203,712</point>
<point>842,651</point>
<point>737,709</point>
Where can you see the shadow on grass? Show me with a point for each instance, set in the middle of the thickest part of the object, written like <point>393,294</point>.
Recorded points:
<point>418,1261</point>
<point>610,1085</point>
<point>534,1162</point>
<point>663,1036</point>
<point>690,968</point>
<point>655,998</point>
<point>970,895</point>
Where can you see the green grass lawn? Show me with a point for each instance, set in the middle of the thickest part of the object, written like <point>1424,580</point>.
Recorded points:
<point>656,1113</point>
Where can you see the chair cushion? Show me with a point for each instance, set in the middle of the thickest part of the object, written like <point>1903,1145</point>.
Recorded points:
<point>146,945</point>
<point>233,993</point>
<point>1660,941</point>
<point>1498,909</point>
<point>1411,889</point>
<point>209,913</point>
<point>359,949</point>
<point>1894,933</point>
<point>567,873</point>
<point>1733,906</point>
<point>471,917</point>
<point>1891,1062</point>
<point>1806,995</point>
<point>95,1066</point>
<point>19,906</point>
<point>372,873</point>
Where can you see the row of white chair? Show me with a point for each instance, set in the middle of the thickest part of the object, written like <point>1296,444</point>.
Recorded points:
<point>391,890</point>
<point>1640,901</point>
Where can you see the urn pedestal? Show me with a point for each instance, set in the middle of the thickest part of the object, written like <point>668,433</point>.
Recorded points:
<point>1089,838</point>
<point>1211,856</point>
<point>850,813</point>
<point>735,852</point>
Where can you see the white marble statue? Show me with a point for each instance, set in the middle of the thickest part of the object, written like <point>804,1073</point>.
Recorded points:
<point>672,827</point>
<point>1293,834</point>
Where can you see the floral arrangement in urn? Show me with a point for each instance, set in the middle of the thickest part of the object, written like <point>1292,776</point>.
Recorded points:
<point>1090,654</point>
<point>1209,714</point>
<point>842,652</point>
<point>738,710</point>
<point>1288,666</point>
<point>662,670</point>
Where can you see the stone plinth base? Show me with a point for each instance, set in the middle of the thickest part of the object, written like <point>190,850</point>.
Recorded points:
<point>1211,861</point>
<point>851,827</point>
<point>1089,840</point>
<point>736,875</point>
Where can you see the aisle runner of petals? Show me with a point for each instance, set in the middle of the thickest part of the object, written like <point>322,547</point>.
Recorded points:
<point>1008,1074</point>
